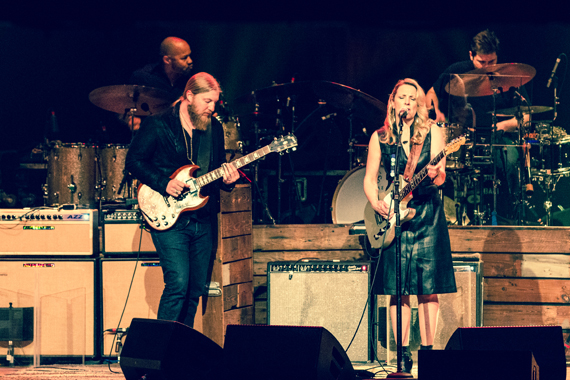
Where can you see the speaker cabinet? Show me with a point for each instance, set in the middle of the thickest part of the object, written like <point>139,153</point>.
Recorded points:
<point>460,309</point>
<point>61,293</point>
<point>261,352</point>
<point>545,342</point>
<point>329,294</point>
<point>166,350</point>
<point>477,365</point>
<point>144,278</point>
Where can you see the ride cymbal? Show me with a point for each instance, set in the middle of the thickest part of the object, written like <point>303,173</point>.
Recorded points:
<point>485,81</point>
<point>121,99</point>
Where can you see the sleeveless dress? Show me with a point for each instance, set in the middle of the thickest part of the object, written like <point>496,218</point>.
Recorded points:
<point>427,266</point>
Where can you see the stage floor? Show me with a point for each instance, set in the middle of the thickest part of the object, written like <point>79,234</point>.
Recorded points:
<point>104,371</point>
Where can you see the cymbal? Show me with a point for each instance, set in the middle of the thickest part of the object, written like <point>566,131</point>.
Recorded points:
<point>526,110</point>
<point>483,81</point>
<point>355,102</point>
<point>121,98</point>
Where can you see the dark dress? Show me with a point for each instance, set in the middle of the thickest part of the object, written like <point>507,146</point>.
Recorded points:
<point>427,267</point>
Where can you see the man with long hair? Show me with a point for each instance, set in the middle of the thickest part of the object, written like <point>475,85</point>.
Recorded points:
<point>185,134</point>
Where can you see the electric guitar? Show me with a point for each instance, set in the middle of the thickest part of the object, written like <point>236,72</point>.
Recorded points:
<point>162,212</point>
<point>376,226</point>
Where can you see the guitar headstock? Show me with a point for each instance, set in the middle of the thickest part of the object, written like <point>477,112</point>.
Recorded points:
<point>455,144</point>
<point>283,143</point>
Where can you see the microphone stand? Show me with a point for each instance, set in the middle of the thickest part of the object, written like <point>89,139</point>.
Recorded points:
<point>399,374</point>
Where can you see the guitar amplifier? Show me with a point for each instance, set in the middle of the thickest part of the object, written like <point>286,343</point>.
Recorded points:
<point>48,231</point>
<point>124,234</point>
<point>328,294</point>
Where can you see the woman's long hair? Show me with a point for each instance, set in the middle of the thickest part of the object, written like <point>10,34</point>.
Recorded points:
<point>421,124</point>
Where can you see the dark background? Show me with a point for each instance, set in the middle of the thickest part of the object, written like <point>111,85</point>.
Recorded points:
<point>53,55</point>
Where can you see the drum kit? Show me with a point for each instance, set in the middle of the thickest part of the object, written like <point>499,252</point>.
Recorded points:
<point>541,154</point>
<point>89,175</point>
<point>328,119</point>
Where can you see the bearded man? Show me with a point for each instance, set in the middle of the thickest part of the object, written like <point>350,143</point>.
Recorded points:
<point>185,134</point>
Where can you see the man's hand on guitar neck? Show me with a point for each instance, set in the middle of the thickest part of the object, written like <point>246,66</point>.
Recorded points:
<point>230,174</point>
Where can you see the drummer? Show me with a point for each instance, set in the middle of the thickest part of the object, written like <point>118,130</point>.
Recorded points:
<point>477,111</point>
<point>170,73</point>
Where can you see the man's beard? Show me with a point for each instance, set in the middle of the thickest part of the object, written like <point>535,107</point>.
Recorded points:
<point>200,122</point>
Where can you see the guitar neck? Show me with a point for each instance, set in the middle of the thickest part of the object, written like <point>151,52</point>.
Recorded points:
<point>416,179</point>
<point>207,178</point>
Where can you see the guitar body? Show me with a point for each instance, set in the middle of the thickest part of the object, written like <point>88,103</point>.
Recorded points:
<point>377,227</point>
<point>162,212</point>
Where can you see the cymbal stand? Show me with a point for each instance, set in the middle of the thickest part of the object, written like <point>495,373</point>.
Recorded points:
<point>350,140</point>
<point>493,143</point>
<point>255,166</point>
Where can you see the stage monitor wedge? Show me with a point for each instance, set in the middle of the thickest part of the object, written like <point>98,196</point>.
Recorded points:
<point>545,342</point>
<point>261,352</point>
<point>167,350</point>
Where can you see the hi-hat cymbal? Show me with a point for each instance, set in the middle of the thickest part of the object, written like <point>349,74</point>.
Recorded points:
<point>484,81</point>
<point>526,110</point>
<point>122,98</point>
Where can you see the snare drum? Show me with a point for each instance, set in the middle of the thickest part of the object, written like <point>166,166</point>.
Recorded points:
<point>349,199</point>
<point>71,175</point>
<point>115,186</point>
<point>550,156</point>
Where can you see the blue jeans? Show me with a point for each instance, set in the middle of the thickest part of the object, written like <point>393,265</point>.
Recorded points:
<point>184,251</point>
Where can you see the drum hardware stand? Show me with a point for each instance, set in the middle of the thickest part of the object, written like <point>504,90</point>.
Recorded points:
<point>398,238</point>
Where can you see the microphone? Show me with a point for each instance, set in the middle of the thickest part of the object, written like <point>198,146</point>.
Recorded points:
<point>330,115</point>
<point>403,113</point>
<point>520,96</point>
<point>553,72</point>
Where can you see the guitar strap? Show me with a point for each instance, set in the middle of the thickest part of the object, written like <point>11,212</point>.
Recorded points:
<point>415,152</point>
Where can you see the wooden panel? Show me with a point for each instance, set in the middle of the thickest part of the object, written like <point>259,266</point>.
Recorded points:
<point>261,312</point>
<point>262,258</point>
<point>237,272</point>
<point>238,296</point>
<point>527,265</point>
<point>237,248</point>
<point>235,224</point>
<point>526,290</point>
<point>243,316</point>
<point>526,315</point>
<point>237,200</point>
<point>510,239</point>
<point>303,237</point>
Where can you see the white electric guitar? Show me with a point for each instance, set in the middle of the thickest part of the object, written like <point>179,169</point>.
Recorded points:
<point>162,212</point>
<point>376,226</point>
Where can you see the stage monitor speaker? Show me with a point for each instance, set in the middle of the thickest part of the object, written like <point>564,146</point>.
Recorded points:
<point>477,365</point>
<point>327,294</point>
<point>460,309</point>
<point>545,342</point>
<point>261,352</point>
<point>167,350</point>
<point>61,293</point>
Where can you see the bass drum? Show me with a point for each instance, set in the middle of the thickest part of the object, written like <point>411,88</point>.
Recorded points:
<point>349,199</point>
<point>116,185</point>
<point>71,175</point>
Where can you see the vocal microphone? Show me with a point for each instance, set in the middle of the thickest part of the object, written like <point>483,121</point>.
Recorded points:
<point>553,72</point>
<point>330,115</point>
<point>403,113</point>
